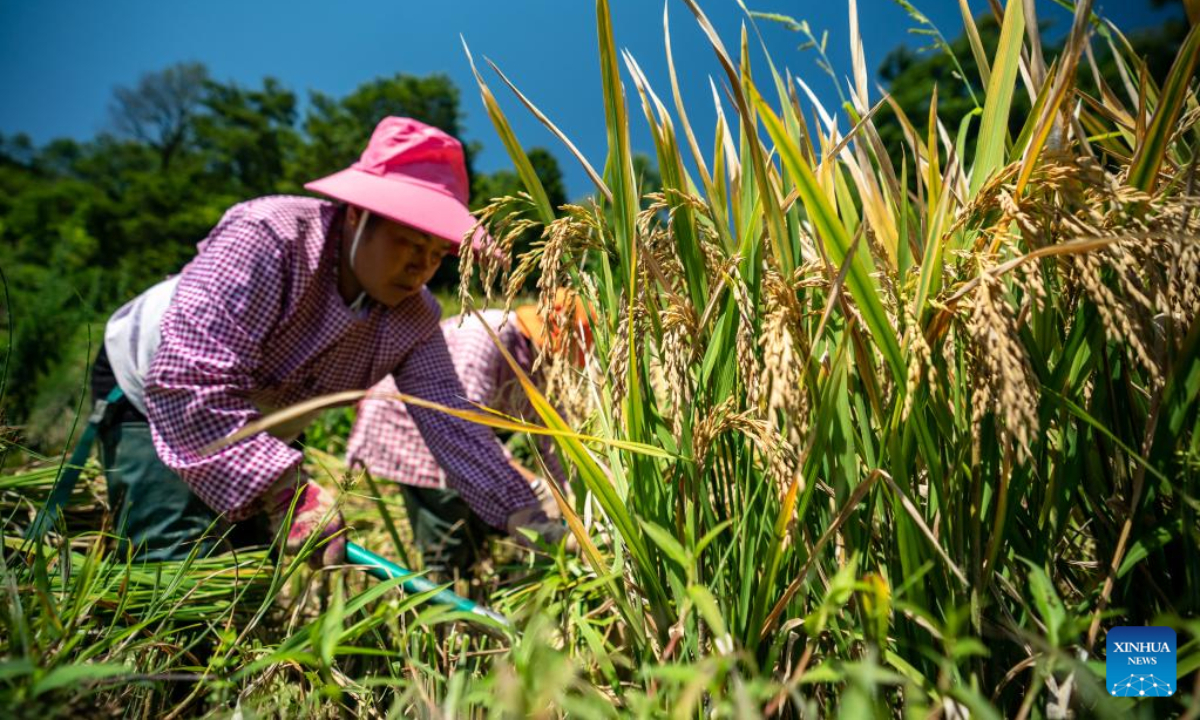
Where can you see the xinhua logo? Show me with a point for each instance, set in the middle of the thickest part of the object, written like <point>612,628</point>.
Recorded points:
<point>1140,662</point>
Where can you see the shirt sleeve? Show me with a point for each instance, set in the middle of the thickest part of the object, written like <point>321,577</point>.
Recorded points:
<point>386,441</point>
<point>199,385</point>
<point>469,453</point>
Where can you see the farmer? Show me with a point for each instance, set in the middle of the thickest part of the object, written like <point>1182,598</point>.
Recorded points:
<point>387,442</point>
<point>290,298</point>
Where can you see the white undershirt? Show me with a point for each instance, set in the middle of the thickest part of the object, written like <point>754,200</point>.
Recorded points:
<point>131,338</point>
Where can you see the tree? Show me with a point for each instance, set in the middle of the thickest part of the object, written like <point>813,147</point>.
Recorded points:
<point>159,109</point>
<point>249,136</point>
<point>338,130</point>
<point>16,149</point>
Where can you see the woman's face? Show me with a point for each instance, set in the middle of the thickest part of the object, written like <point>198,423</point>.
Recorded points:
<point>394,261</point>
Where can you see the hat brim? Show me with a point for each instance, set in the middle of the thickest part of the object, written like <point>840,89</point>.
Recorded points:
<point>408,203</point>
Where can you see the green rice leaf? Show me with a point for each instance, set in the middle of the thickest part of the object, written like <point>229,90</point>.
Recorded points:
<point>1143,171</point>
<point>989,152</point>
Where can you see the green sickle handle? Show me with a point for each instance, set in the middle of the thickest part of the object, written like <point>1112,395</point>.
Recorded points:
<point>384,569</point>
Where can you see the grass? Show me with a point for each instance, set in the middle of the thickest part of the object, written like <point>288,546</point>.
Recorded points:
<point>923,421</point>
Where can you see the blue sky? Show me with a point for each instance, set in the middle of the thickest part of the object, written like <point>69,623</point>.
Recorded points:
<point>60,59</point>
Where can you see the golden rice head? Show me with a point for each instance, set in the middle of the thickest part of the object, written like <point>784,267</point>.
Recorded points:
<point>1004,380</point>
<point>505,219</point>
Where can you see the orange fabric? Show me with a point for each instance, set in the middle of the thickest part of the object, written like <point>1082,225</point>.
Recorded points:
<point>579,333</point>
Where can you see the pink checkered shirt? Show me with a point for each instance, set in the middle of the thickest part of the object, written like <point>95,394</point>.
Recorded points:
<point>386,439</point>
<point>257,321</point>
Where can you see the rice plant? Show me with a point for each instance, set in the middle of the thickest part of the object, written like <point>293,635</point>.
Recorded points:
<point>932,408</point>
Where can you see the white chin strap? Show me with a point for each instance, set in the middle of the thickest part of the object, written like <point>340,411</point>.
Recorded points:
<point>362,223</point>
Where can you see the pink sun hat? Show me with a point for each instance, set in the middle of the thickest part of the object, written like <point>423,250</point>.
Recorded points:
<point>413,174</point>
